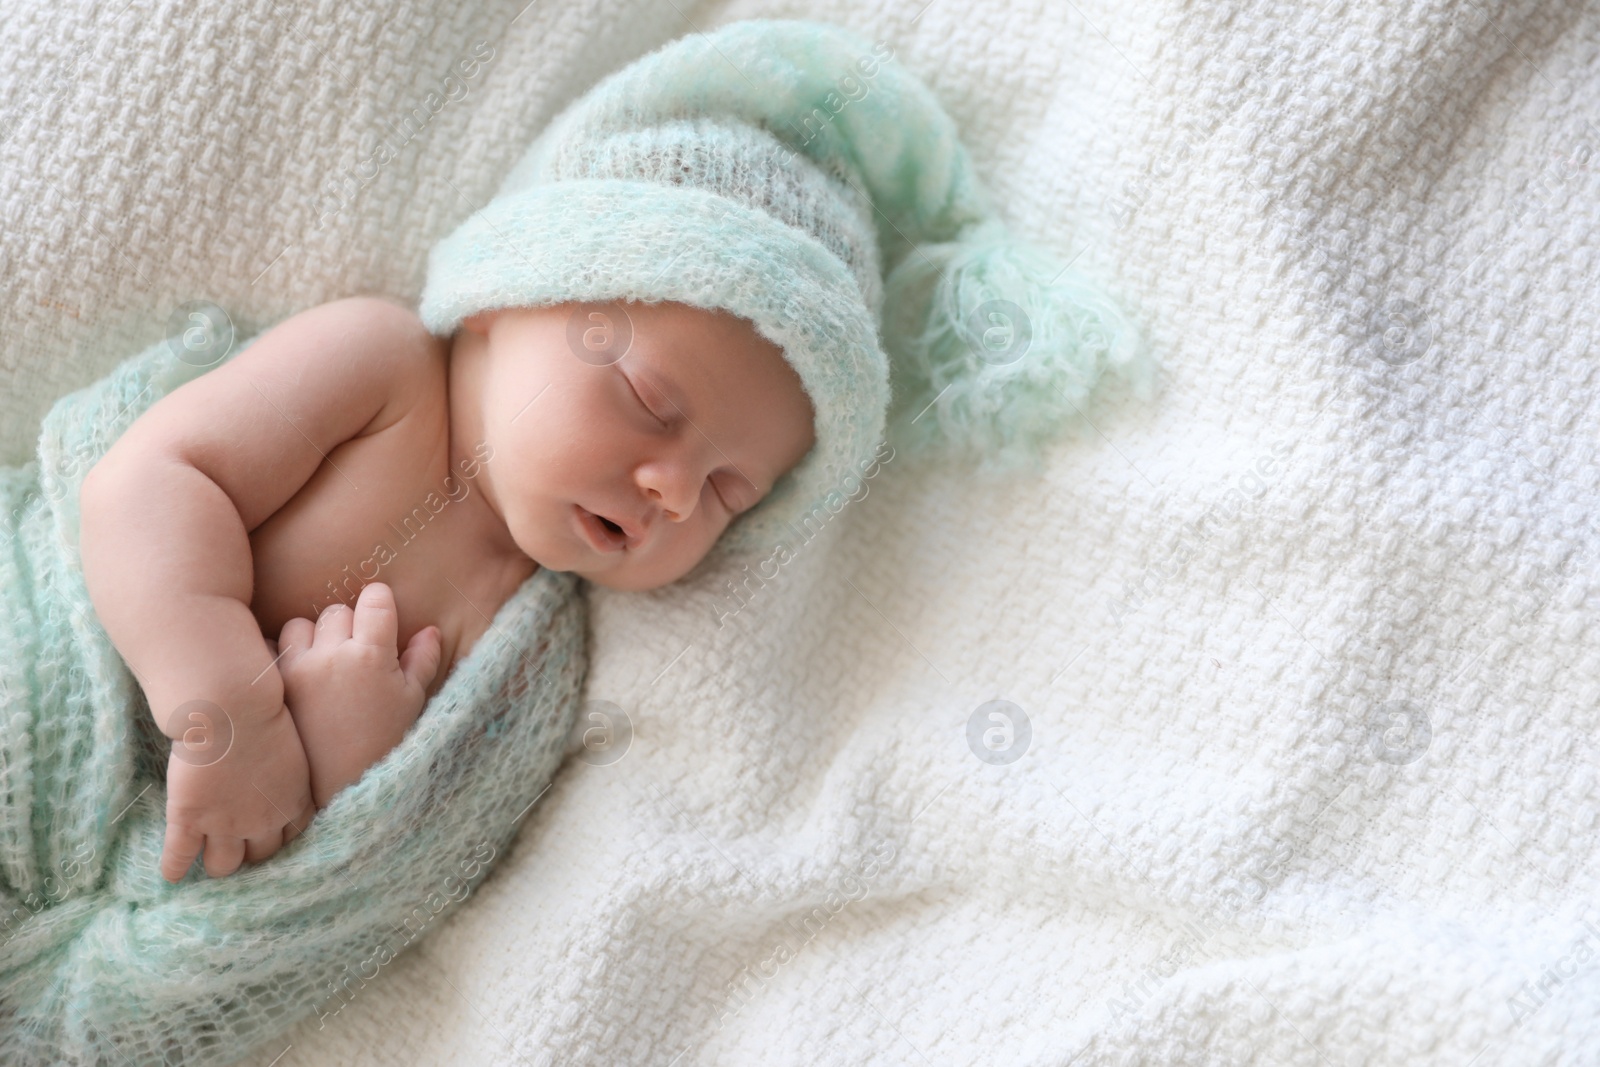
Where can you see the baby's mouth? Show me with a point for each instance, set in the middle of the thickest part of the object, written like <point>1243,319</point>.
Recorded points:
<point>604,535</point>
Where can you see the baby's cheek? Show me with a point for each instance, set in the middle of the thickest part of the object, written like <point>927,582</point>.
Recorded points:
<point>687,549</point>
<point>704,541</point>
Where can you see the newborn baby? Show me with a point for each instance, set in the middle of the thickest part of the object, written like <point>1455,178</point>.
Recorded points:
<point>299,548</point>
<point>368,495</point>
<point>282,484</point>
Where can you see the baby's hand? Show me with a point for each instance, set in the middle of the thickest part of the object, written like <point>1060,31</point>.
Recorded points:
<point>243,806</point>
<point>352,693</point>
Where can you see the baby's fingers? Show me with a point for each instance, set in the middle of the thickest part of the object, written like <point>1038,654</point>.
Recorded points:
<point>297,826</point>
<point>259,848</point>
<point>333,624</point>
<point>223,855</point>
<point>377,622</point>
<point>179,850</point>
<point>420,661</point>
<point>297,634</point>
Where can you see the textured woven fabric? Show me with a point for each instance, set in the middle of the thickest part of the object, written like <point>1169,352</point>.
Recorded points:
<point>101,959</point>
<point>756,170</point>
<point>1200,859</point>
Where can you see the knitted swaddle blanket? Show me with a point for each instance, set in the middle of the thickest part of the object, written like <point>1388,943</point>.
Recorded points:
<point>101,960</point>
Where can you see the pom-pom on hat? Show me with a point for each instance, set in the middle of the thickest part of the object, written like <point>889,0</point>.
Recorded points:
<point>775,169</point>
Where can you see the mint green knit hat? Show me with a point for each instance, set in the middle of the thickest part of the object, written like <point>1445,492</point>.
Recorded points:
<point>774,169</point>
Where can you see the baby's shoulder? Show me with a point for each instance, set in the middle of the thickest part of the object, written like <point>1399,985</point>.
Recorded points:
<point>386,339</point>
<point>376,324</point>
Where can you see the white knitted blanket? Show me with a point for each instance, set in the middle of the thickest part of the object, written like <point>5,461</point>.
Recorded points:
<point>1301,657</point>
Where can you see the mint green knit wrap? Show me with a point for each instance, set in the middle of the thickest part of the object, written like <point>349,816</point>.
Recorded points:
<point>101,960</point>
<point>775,169</point>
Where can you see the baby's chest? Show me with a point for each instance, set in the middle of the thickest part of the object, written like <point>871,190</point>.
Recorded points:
<point>387,508</point>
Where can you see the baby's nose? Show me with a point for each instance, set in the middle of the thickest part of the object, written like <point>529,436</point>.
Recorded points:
<point>673,505</point>
<point>672,487</point>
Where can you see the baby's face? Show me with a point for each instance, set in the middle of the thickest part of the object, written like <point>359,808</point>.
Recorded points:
<point>690,427</point>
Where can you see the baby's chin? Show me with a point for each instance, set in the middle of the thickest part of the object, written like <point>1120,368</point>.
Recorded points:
<point>627,579</point>
<point>629,573</point>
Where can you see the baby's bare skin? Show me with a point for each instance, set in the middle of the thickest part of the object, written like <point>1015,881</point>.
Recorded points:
<point>348,452</point>
<point>412,492</point>
<point>352,697</point>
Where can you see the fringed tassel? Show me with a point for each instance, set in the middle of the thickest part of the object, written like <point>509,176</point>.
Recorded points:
<point>995,348</point>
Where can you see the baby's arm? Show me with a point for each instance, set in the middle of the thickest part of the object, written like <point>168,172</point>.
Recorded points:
<point>166,516</point>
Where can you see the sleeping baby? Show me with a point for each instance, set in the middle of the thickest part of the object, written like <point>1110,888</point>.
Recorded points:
<point>237,500</point>
<point>315,614</point>
<point>664,311</point>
